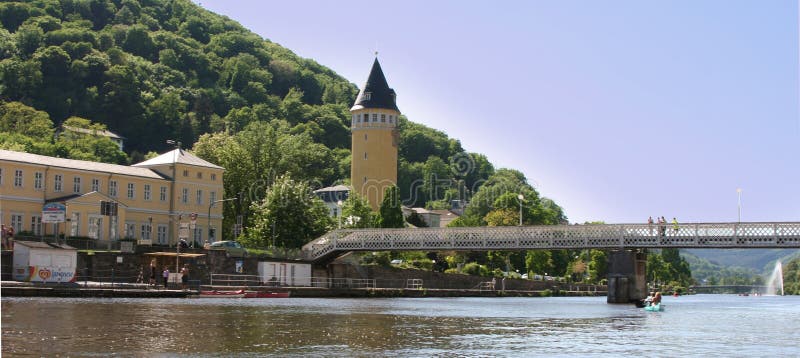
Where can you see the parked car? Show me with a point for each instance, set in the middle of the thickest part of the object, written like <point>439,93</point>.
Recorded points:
<point>232,248</point>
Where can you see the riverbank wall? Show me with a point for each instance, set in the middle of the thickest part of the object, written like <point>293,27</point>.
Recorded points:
<point>116,274</point>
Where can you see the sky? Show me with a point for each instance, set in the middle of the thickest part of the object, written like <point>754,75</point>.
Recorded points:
<point>616,110</point>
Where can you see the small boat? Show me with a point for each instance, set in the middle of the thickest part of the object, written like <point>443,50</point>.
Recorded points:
<point>655,308</point>
<point>242,294</point>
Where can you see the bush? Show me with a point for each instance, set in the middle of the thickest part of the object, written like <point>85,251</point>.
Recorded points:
<point>473,268</point>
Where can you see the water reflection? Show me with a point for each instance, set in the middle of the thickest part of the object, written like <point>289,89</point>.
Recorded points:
<point>397,327</point>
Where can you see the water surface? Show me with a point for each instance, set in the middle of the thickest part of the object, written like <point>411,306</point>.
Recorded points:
<point>702,325</point>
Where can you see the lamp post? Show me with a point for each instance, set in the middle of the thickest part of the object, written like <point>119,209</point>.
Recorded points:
<point>208,237</point>
<point>339,212</point>
<point>520,197</point>
<point>739,203</point>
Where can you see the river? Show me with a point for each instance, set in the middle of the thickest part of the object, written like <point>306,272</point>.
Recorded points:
<point>700,325</point>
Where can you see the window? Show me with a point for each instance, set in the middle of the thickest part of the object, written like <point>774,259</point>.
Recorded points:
<point>213,176</point>
<point>95,184</point>
<point>16,222</point>
<point>374,118</point>
<point>58,179</point>
<point>199,197</point>
<point>1,176</point>
<point>112,227</point>
<point>212,197</point>
<point>75,224</point>
<point>147,192</point>
<point>18,178</point>
<point>199,175</point>
<point>76,184</point>
<point>95,227</point>
<point>365,179</point>
<point>186,173</point>
<point>367,96</point>
<point>38,180</point>
<point>383,118</point>
<point>365,136</point>
<point>130,230</point>
<point>365,155</point>
<point>358,118</point>
<point>162,234</point>
<point>146,231</point>
<point>112,188</point>
<point>131,192</point>
<point>36,225</point>
<point>162,195</point>
<point>185,196</point>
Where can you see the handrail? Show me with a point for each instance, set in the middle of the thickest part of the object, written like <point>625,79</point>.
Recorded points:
<point>606,236</point>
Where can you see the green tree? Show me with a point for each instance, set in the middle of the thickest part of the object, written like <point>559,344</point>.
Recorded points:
<point>356,212</point>
<point>539,262</point>
<point>289,216</point>
<point>391,214</point>
<point>16,117</point>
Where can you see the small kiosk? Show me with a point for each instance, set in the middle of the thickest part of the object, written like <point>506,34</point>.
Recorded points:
<point>44,262</point>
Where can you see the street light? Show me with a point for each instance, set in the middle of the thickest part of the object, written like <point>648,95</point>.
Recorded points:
<point>209,214</point>
<point>339,211</point>
<point>739,204</point>
<point>521,198</point>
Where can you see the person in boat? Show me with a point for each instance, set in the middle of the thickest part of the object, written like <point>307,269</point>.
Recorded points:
<point>656,299</point>
<point>649,299</point>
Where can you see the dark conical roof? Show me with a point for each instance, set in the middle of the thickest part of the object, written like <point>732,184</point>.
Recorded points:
<point>381,96</point>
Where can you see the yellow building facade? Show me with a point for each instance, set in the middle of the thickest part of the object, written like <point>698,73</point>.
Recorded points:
<point>153,197</point>
<point>374,138</point>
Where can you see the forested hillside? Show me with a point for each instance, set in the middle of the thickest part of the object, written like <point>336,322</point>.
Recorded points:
<point>159,70</point>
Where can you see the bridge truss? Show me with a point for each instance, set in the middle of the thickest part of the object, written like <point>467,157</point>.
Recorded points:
<point>548,237</point>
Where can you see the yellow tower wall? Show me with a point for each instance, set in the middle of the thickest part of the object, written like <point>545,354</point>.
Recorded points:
<point>374,153</point>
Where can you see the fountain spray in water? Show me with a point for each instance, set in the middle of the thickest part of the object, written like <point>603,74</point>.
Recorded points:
<point>775,280</point>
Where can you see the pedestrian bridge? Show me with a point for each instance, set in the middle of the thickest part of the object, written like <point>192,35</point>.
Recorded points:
<point>552,237</point>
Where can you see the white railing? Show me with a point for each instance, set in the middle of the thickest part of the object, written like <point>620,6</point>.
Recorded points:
<point>218,279</point>
<point>551,237</point>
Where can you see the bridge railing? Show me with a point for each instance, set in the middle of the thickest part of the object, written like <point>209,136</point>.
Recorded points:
<point>687,235</point>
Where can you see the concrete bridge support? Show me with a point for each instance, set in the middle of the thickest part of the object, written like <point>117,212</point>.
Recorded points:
<point>626,276</point>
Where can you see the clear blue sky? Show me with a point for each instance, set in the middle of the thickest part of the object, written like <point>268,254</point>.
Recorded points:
<point>617,110</point>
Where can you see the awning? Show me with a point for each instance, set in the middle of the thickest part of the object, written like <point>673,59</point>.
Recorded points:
<point>172,254</point>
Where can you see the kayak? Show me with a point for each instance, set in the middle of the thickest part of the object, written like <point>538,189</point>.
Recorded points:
<point>654,308</point>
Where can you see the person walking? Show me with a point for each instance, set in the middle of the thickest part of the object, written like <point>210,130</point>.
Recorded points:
<point>650,225</point>
<point>663,226</point>
<point>165,274</point>
<point>675,225</point>
<point>153,273</point>
<point>184,276</point>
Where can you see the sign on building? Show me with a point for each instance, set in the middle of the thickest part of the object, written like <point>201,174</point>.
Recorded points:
<point>183,231</point>
<point>54,213</point>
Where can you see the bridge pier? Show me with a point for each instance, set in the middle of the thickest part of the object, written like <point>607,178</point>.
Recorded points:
<point>626,276</point>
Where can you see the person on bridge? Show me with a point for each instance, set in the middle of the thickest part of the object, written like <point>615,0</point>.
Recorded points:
<point>650,225</point>
<point>675,225</point>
